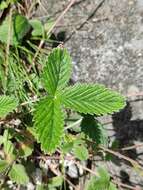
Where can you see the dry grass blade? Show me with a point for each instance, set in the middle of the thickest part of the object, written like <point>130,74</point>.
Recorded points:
<point>51,29</point>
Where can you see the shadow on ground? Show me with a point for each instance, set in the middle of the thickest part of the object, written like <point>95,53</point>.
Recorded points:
<point>127,131</point>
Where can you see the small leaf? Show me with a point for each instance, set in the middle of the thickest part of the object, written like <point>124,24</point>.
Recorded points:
<point>3,166</point>
<point>56,181</point>
<point>41,187</point>
<point>9,151</point>
<point>18,174</point>
<point>67,147</point>
<point>57,70</point>
<point>94,130</point>
<point>49,122</point>
<point>38,29</point>
<point>92,99</point>
<point>25,144</point>
<point>19,28</point>
<point>81,152</point>
<point>7,104</point>
<point>101,182</point>
<point>3,5</point>
<point>7,134</point>
<point>26,149</point>
<point>112,186</point>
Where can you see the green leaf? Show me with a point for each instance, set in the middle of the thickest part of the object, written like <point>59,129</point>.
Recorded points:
<point>67,147</point>
<point>57,70</point>
<point>49,122</point>
<point>18,174</point>
<point>112,187</point>
<point>92,99</point>
<point>3,166</point>
<point>81,152</point>
<point>25,148</point>
<point>6,135</point>
<point>101,182</point>
<point>9,151</point>
<point>8,147</point>
<point>94,130</point>
<point>7,104</point>
<point>41,187</point>
<point>19,28</point>
<point>3,5</point>
<point>55,181</point>
<point>1,139</point>
<point>25,143</point>
<point>38,29</point>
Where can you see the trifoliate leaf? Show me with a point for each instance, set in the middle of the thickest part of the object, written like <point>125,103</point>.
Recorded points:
<point>49,124</point>
<point>81,152</point>
<point>7,104</point>
<point>57,70</point>
<point>18,174</point>
<point>92,99</point>
<point>94,130</point>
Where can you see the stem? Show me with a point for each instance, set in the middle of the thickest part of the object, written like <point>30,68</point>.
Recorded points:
<point>73,124</point>
<point>7,46</point>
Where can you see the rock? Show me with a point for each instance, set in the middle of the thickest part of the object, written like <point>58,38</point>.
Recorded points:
<point>37,176</point>
<point>30,186</point>
<point>71,169</point>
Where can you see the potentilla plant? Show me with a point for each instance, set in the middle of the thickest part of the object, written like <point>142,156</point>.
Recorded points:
<point>84,98</point>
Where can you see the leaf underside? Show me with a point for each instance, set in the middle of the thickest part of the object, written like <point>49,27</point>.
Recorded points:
<point>92,99</point>
<point>49,123</point>
<point>57,70</point>
<point>7,104</point>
